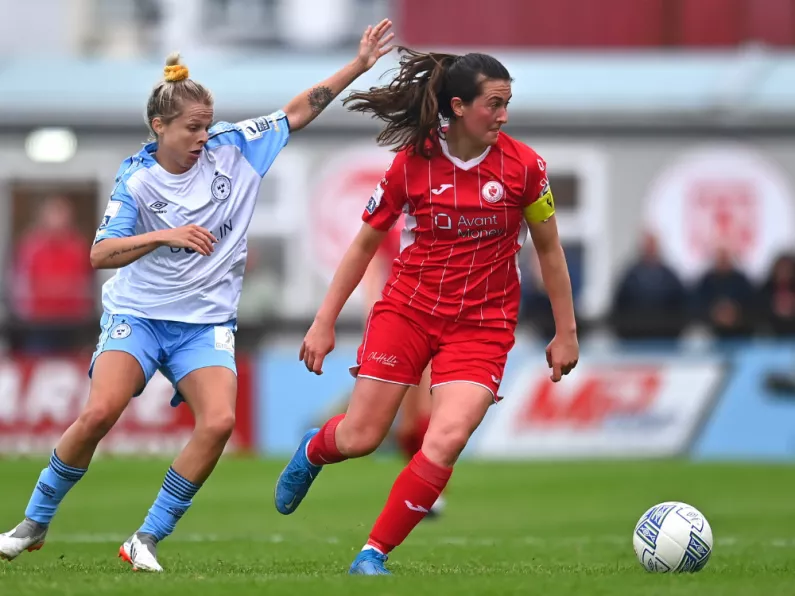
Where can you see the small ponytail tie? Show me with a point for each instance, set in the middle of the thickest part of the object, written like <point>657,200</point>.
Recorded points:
<point>176,72</point>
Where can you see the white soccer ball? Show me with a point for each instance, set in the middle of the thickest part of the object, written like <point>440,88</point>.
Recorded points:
<point>672,536</point>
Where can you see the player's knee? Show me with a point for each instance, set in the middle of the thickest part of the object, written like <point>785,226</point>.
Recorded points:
<point>358,442</point>
<point>218,427</point>
<point>96,420</point>
<point>444,445</point>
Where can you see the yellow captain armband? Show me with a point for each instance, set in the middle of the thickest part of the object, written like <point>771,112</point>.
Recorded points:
<point>541,209</point>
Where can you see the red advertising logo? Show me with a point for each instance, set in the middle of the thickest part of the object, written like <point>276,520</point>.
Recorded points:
<point>727,196</point>
<point>620,406</point>
<point>600,394</point>
<point>41,397</point>
<point>725,214</point>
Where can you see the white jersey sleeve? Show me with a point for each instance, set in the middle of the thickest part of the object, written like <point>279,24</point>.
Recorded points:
<point>259,139</point>
<point>121,214</point>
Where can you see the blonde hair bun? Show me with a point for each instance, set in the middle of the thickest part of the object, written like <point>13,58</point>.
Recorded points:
<point>175,70</point>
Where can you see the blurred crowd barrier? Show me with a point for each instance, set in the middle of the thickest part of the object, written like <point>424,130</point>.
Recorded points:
<point>731,401</point>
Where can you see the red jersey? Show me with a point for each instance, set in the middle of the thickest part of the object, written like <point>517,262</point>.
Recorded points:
<point>464,226</point>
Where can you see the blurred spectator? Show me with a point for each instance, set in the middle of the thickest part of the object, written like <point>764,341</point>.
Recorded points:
<point>725,298</point>
<point>52,280</point>
<point>650,301</point>
<point>777,297</point>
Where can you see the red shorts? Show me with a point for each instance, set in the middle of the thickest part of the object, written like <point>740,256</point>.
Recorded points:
<point>399,341</point>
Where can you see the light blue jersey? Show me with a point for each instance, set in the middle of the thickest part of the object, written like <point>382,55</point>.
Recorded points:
<point>218,193</point>
<point>173,309</point>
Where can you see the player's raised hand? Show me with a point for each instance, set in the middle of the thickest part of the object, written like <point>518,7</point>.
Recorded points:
<point>374,43</point>
<point>317,344</point>
<point>192,237</point>
<point>563,352</point>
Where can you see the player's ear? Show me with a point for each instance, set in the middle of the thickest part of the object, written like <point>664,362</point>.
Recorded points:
<point>457,106</point>
<point>158,126</point>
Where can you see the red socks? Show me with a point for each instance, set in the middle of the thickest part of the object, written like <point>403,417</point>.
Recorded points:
<point>413,494</point>
<point>410,443</point>
<point>322,448</point>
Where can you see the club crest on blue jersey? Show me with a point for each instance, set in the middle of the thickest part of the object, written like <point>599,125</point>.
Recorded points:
<point>121,331</point>
<point>221,187</point>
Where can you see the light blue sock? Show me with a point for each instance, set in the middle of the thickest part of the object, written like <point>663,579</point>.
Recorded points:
<point>54,482</point>
<point>172,502</point>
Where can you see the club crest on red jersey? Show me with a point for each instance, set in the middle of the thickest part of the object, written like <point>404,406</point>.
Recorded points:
<point>492,191</point>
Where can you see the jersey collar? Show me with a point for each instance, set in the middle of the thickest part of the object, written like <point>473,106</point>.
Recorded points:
<point>464,165</point>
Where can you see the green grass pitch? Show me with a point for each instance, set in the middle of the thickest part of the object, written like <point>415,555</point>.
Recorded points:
<point>546,529</point>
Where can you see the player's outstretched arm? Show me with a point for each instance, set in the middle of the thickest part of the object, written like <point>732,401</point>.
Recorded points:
<point>319,340</point>
<point>112,253</point>
<point>305,107</point>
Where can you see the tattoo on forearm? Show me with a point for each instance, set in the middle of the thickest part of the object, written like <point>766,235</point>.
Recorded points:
<point>319,98</point>
<point>117,253</point>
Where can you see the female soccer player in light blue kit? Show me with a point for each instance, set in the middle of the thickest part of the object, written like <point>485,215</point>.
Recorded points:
<point>175,228</point>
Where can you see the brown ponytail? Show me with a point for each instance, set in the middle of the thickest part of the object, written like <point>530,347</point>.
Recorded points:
<point>410,103</point>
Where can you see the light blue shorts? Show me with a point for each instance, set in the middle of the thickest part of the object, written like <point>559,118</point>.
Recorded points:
<point>173,348</point>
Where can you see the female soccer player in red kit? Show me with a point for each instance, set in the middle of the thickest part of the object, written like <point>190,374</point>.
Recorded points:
<point>469,194</point>
<point>415,409</point>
